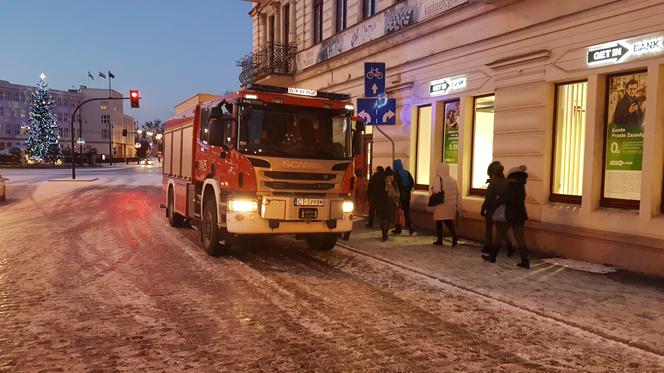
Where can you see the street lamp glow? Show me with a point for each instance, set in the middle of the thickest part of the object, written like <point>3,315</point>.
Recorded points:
<point>149,133</point>
<point>139,132</point>
<point>137,145</point>
<point>158,137</point>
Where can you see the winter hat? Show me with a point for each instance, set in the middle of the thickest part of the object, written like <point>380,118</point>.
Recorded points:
<point>520,169</point>
<point>495,168</point>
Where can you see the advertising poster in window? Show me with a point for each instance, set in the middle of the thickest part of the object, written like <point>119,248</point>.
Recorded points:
<point>626,109</point>
<point>451,145</point>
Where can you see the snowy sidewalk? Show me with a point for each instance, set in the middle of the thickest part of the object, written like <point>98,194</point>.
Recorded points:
<point>617,306</point>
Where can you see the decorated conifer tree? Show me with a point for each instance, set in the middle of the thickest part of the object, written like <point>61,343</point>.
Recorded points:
<point>43,142</point>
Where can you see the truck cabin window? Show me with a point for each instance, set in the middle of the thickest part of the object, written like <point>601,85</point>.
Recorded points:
<point>298,132</point>
<point>219,125</point>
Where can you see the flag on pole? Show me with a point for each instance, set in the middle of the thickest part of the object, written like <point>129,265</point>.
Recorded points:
<point>110,75</point>
<point>102,75</point>
<point>90,76</point>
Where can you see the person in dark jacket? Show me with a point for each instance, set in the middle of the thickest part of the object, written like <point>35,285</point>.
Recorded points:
<point>514,199</point>
<point>371,195</point>
<point>386,199</point>
<point>406,185</point>
<point>497,183</point>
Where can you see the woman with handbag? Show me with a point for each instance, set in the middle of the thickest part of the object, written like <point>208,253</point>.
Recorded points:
<point>497,183</point>
<point>444,188</point>
<point>511,213</point>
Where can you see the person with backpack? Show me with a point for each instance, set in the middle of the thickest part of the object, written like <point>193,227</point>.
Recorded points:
<point>513,215</point>
<point>406,184</point>
<point>497,183</point>
<point>386,200</point>
<point>446,212</point>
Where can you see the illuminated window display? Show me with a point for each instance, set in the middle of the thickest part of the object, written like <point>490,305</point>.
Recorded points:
<point>482,141</point>
<point>570,136</point>
<point>423,160</point>
<point>623,151</point>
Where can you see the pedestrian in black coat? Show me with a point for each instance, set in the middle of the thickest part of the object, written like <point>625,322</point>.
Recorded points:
<point>371,195</point>
<point>386,198</point>
<point>497,184</point>
<point>514,199</point>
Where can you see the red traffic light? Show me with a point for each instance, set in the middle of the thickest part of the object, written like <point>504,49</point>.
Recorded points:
<point>134,98</point>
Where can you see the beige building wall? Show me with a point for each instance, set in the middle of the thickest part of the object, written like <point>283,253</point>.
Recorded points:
<point>187,106</point>
<point>96,117</point>
<point>517,50</point>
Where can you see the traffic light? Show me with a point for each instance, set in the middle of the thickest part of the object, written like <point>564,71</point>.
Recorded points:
<point>134,98</point>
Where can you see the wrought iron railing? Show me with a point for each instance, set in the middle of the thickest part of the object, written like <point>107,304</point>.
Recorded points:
<point>269,59</point>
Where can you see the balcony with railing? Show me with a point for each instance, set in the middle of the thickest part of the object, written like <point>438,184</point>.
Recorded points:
<point>268,64</point>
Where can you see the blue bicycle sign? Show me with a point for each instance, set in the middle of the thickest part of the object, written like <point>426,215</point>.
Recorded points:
<point>375,73</point>
<point>374,79</point>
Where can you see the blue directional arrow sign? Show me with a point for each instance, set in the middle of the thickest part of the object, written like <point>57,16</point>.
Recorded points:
<point>374,79</point>
<point>377,111</point>
<point>386,111</point>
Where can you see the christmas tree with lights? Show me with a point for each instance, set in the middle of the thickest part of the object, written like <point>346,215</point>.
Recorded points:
<point>43,142</point>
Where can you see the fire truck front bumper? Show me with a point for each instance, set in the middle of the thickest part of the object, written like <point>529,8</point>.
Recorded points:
<point>282,216</point>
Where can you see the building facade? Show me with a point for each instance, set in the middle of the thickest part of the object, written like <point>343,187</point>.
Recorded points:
<point>94,121</point>
<point>574,90</point>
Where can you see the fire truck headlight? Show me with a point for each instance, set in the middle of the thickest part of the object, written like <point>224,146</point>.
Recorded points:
<point>348,207</point>
<point>243,205</point>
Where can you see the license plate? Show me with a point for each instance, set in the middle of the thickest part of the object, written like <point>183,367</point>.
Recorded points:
<point>309,202</point>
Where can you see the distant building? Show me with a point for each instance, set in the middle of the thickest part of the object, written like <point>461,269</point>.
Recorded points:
<point>96,120</point>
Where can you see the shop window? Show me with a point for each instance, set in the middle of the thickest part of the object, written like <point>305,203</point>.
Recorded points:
<point>569,142</point>
<point>340,16</point>
<point>318,21</point>
<point>623,139</point>
<point>482,154</point>
<point>423,146</point>
<point>451,133</point>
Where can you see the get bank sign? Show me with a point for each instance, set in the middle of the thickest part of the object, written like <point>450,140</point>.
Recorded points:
<point>625,50</point>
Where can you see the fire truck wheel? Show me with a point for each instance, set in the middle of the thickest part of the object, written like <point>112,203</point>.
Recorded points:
<point>322,241</point>
<point>210,229</point>
<point>174,219</point>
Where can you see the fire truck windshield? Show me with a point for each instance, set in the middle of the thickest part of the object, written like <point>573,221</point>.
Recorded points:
<point>294,132</point>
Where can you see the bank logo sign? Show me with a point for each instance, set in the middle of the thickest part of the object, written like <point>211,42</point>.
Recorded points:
<point>625,50</point>
<point>448,85</point>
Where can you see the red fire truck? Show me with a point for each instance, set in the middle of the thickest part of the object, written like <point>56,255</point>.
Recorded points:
<point>264,160</point>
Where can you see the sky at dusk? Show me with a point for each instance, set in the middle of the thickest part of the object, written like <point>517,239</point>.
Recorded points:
<point>168,49</point>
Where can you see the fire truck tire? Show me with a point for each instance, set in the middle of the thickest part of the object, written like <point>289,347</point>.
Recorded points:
<point>210,231</point>
<point>323,242</point>
<point>174,219</point>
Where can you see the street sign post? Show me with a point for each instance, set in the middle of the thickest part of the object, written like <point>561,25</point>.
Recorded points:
<point>374,79</point>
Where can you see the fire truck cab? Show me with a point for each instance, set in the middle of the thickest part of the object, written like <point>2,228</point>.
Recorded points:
<point>264,160</point>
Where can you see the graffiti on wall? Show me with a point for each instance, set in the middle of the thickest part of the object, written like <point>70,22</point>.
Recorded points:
<point>384,23</point>
<point>399,18</point>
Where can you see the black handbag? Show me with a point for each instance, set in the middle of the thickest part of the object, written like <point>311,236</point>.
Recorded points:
<point>437,198</point>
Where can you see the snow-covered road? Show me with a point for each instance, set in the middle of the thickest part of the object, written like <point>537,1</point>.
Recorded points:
<point>93,278</point>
